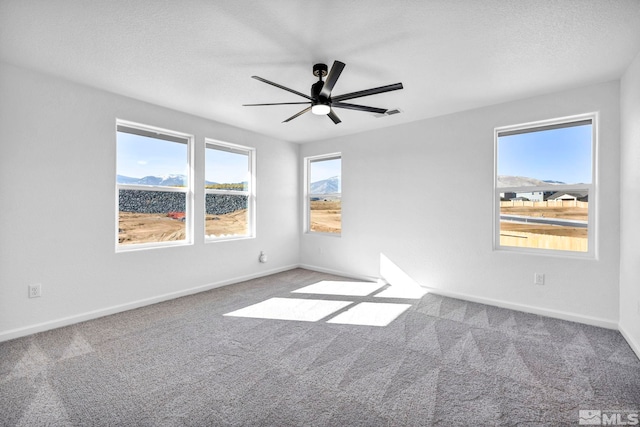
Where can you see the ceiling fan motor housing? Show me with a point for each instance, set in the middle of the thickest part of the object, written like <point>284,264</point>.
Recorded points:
<point>315,93</point>
<point>320,70</point>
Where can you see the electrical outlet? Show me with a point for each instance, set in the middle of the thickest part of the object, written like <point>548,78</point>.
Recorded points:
<point>538,278</point>
<point>35,291</point>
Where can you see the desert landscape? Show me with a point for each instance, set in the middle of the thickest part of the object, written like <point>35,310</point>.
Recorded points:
<point>325,216</point>
<point>542,235</point>
<point>135,228</point>
<point>233,223</point>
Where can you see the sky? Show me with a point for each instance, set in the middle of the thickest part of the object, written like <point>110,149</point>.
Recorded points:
<point>225,167</point>
<point>324,169</point>
<point>140,156</point>
<point>558,155</point>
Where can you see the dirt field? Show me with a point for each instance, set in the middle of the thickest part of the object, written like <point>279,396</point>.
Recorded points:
<point>552,230</point>
<point>573,213</point>
<point>547,212</point>
<point>147,228</point>
<point>234,223</point>
<point>541,235</point>
<point>326,216</point>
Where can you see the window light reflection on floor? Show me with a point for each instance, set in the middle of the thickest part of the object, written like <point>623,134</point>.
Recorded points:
<point>402,285</point>
<point>396,284</point>
<point>370,314</point>
<point>304,310</point>
<point>330,287</point>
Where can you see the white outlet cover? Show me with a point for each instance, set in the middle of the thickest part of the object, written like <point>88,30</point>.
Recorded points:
<point>35,291</point>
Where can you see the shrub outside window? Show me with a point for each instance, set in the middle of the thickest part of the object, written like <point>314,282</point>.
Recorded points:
<point>229,191</point>
<point>153,182</point>
<point>324,194</point>
<point>545,186</point>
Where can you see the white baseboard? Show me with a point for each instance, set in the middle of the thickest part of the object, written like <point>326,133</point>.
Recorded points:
<point>339,273</point>
<point>557,314</point>
<point>77,318</point>
<point>65,321</point>
<point>635,346</point>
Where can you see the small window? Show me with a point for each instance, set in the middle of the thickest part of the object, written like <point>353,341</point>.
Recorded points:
<point>153,186</point>
<point>229,195</point>
<point>544,186</point>
<point>324,194</point>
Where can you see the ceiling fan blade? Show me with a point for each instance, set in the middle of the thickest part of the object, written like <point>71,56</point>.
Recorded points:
<point>358,107</point>
<point>333,116</point>
<point>297,114</point>
<point>275,103</point>
<point>282,87</point>
<point>332,78</point>
<point>367,92</point>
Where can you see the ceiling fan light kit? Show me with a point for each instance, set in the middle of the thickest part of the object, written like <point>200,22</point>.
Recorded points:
<point>320,109</point>
<point>321,101</point>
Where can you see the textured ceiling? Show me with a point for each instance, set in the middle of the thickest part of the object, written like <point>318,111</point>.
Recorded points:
<point>198,56</point>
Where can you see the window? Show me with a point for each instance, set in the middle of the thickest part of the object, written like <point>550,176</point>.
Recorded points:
<point>324,194</point>
<point>229,196</point>
<point>153,185</point>
<point>545,186</point>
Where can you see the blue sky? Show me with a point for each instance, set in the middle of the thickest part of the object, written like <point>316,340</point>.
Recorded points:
<point>140,156</point>
<point>559,155</point>
<point>225,167</point>
<point>325,169</point>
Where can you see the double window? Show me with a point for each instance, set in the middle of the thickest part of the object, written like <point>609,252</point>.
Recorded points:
<point>545,186</point>
<point>154,190</point>
<point>324,194</point>
<point>229,196</point>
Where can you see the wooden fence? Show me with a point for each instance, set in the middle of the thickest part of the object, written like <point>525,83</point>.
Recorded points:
<point>545,204</point>
<point>543,241</point>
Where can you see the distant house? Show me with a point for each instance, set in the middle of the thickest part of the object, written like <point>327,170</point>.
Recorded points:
<point>535,196</point>
<point>580,196</point>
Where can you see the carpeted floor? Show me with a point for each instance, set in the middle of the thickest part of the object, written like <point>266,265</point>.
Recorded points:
<point>203,361</point>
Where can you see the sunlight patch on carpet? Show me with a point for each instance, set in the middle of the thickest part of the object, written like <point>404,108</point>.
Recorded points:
<point>370,314</point>
<point>304,310</point>
<point>402,292</point>
<point>330,287</point>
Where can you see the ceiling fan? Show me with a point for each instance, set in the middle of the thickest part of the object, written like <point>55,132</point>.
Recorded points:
<point>321,102</point>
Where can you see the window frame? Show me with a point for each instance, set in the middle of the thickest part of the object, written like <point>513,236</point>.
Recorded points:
<point>591,188</point>
<point>307,193</point>
<point>250,193</point>
<point>168,135</point>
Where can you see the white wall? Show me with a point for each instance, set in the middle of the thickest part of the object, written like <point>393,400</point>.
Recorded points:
<point>630,205</point>
<point>422,195</point>
<point>57,210</point>
<point>400,187</point>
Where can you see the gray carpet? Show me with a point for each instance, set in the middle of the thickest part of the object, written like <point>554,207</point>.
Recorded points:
<point>441,362</point>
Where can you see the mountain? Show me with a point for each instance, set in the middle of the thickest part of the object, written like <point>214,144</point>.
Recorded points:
<point>121,179</point>
<point>326,186</point>
<point>171,180</point>
<point>523,181</point>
